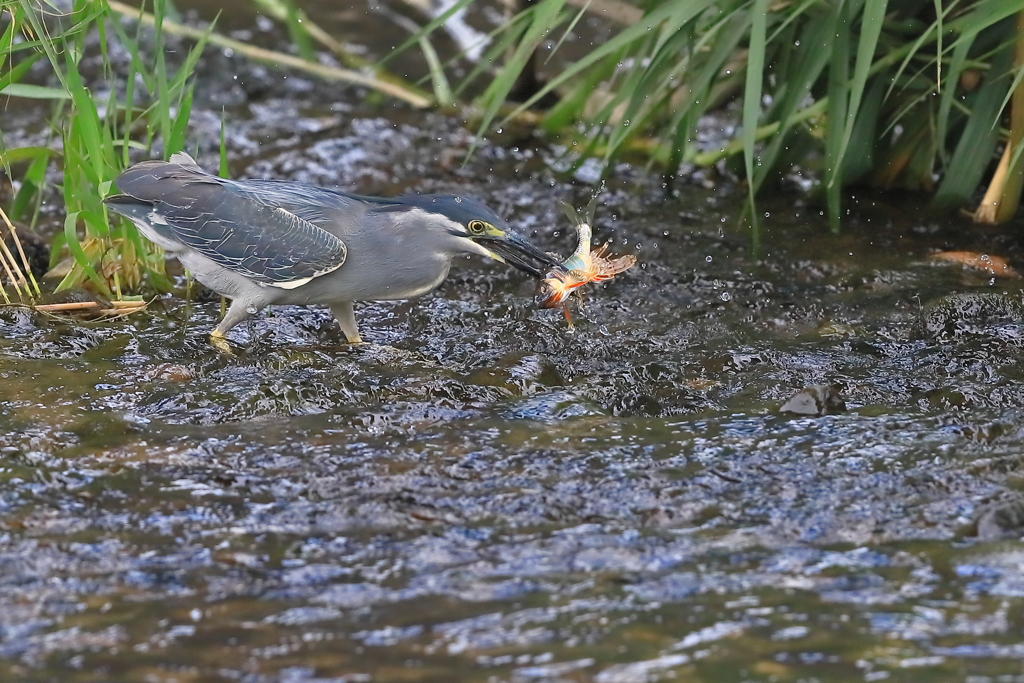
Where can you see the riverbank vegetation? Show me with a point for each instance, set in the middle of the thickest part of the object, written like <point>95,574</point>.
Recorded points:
<point>918,94</point>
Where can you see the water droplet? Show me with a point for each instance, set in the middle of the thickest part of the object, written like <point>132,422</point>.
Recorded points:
<point>251,309</point>
<point>458,200</point>
<point>708,259</point>
<point>725,296</point>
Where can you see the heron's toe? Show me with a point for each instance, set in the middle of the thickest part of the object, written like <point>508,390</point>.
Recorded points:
<point>220,342</point>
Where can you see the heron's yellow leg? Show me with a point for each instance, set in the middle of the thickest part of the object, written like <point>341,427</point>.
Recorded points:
<point>346,316</point>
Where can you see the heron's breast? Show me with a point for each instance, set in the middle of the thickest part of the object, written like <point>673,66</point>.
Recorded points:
<point>400,281</point>
<point>372,281</point>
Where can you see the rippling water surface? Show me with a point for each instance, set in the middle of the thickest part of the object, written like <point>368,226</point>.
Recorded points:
<point>482,495</point>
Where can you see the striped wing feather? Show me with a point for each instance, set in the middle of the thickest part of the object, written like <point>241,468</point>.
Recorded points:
<point>234,228</point>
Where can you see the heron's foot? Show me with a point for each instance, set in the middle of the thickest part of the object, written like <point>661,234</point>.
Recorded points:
<point>220,342</point>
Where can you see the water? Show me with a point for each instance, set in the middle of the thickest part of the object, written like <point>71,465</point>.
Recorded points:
<point>480,495</point>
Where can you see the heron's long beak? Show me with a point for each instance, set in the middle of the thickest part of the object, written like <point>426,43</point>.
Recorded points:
<point>517,252</point>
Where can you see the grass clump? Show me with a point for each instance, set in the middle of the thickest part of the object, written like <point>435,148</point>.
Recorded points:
<point>898,93</point>
<point>147,109</point>
<point>923,94</point>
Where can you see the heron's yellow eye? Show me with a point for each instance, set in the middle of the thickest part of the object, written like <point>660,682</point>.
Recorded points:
<point>477,227</point>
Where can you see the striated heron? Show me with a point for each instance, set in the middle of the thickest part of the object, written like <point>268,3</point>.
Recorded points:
<point>263,242</point>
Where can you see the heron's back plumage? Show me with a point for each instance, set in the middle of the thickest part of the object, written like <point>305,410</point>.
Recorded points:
<point>245,227</point>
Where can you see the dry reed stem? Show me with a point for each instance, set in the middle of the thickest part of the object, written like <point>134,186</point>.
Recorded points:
<point>1003,194</point>
<point>986,211</point>
<point>21,252</point>
<point>116,307</point>
<point>69,306</point>
<point>274,58</point>
<point>10,264</point>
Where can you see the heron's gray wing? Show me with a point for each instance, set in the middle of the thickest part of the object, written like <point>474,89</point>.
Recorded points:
<point>336,211</point>
<point>240,230</point>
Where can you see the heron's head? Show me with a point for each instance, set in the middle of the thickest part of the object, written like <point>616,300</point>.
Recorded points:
<point>476,229</point>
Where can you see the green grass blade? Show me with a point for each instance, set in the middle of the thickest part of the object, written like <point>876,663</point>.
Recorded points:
<point>19,154</point>
<point>35,92</point>
<point>1017,78</point>
<point>32,182</point>
<point>163,95</point>
<point>804,72</point>
<point>223,170</point>
<point>752,104</point>
<point>442,89</point>
<point>719,43</point>
<point>18,71</point>
<point>977,142</point>
<point>573,103</point>
<point>860,151</point>
<point>179,127</point>
<point>934,30</point>
<point>956,67</point>
<point>297,32</point>
<point>837,114</point>
<point>871,28</point>
<point>86,119</point>
<point>188,67</point>
<point>131,44</point>
<point>939,16</point>
<point>47,45</point>
<point>568,30</point>
<point>650,92</point>
<point>981,16</point>
<point>7,39</point>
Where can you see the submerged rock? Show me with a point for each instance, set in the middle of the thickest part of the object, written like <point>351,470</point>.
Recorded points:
<point>817,399</point>
<point>1002,520</point>
<point>956,314</point>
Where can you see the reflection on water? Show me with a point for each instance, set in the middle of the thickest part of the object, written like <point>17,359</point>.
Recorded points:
<point>480,495</point>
